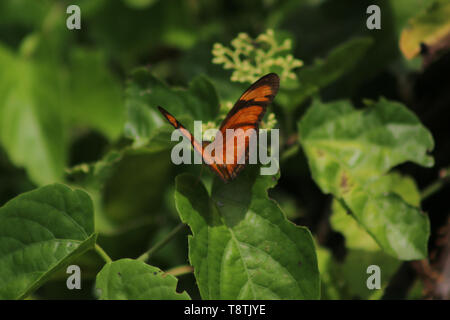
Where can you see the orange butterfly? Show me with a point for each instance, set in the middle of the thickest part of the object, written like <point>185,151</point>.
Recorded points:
<point>246,114</point>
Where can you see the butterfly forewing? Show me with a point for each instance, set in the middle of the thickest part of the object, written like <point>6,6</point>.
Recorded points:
<point>244,119</point>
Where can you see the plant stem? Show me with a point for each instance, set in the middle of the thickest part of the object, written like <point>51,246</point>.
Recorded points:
<point>146,255</point>
<point>179,271</point>
<point>444,178</point>
<point>102,253</point>
<point>432,188</point>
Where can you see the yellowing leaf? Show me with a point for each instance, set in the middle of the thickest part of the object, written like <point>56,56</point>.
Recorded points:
<point>429,27</point>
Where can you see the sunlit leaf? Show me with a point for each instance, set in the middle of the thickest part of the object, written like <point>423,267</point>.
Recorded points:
<point>355,235</point>
<point>349,151</point>
<point>32,123</point>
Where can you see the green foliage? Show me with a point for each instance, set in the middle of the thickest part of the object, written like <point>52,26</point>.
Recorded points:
<point>40,231</point>
<point>78,110</point>
<point>325,71</point>
<point>430,27</point>
<point>102,108</point>
<point>31,123</point>
<point>41,99</point>
<point>243,247</point>
<point>347,279</point>
<point>145,92</point>
<point>139,4</point>
<point>129,279</point>
<point>355,236</point>
<point>350,151</point>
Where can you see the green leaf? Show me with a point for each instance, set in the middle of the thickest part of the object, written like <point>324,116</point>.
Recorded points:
<point>349,151</point>
<point>325,71</point>
<point>145,92</point>
<point>404,10</point>
<point>348,279</point>
<point>40,231</point>
<point>103,108</point>
<point>355,236</point>
<point>129,279</point>
<point>32,124</point>
<point>121,196</point>
<point>243,247</point>
<point>95,174</point>
<point>430,27</point>
<point>349,276</point>
<point>205,103</point>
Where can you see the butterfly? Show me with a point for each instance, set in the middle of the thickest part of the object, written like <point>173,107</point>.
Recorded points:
<point>246,114</point>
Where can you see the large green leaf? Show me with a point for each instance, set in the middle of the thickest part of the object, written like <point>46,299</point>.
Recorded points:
<point>243,247</point>
<point>32,126</point>
<point>40,231</point>
<point>145,92</point>
<point>349,152</point>
<point>128,279</point>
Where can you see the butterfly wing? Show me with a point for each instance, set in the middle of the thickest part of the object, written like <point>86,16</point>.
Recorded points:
<point>198,147</point>
<point>246,114</point>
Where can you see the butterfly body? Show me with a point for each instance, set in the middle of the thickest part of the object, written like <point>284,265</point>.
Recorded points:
<point>243,118</point>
